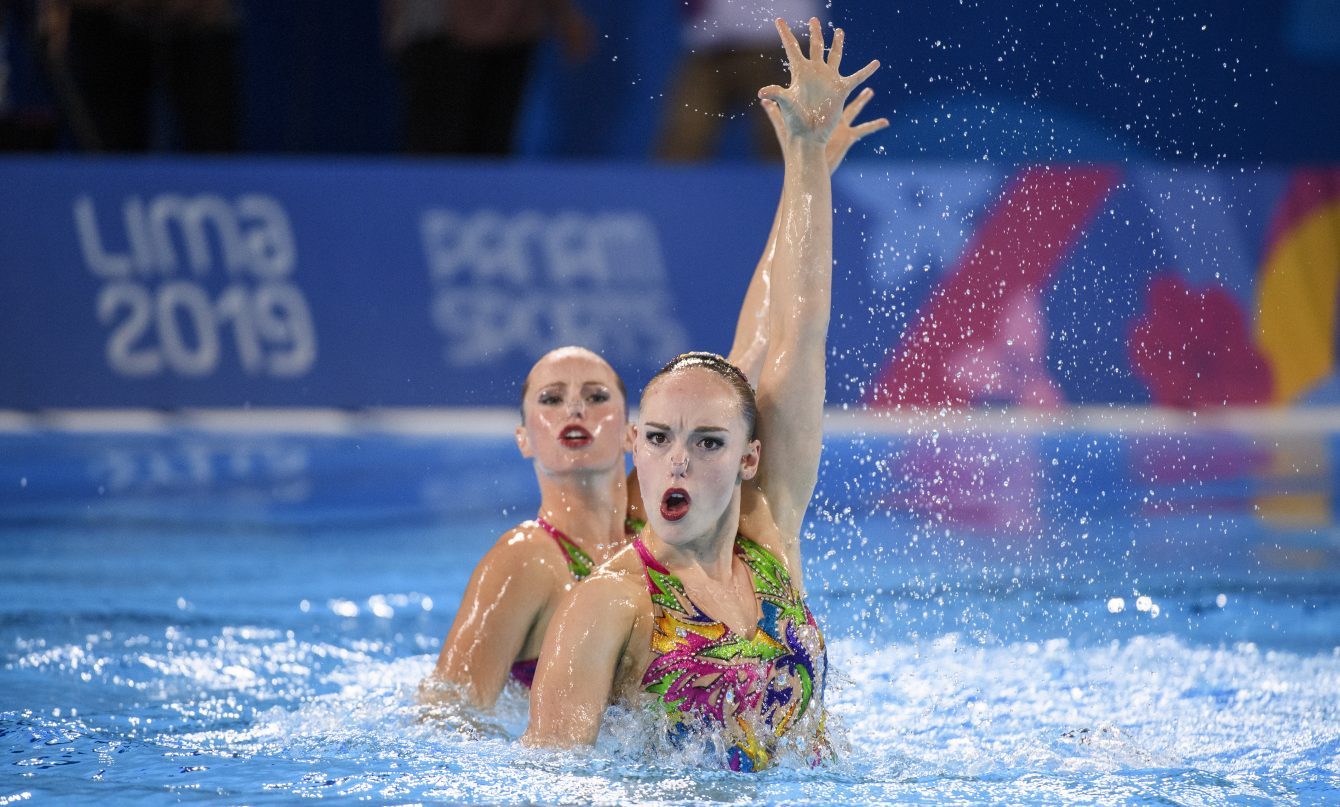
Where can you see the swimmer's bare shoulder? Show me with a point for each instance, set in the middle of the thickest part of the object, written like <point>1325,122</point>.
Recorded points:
<point>528,548</point>
<point>523,564</point>
<point>624,587</point>
<point>758,524</point>
<point>503,613</point>
<point>592,653</point>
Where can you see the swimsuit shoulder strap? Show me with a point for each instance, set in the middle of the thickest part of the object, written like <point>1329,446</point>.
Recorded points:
<point>649,561</point>
<point>666,590</point>
<point>579,563</point>
<point>771,580</point>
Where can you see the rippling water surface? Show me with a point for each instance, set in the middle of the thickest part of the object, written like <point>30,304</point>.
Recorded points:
<point>1082,617</point>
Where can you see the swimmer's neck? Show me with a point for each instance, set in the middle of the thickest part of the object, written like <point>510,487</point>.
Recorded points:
<point>711,553</point>
<point>589,508</point>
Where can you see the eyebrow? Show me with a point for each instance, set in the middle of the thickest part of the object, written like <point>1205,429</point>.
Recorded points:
<point>699,430</point>
<point>564,384</point>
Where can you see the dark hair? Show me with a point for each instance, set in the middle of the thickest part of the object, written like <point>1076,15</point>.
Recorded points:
<point>731,374</point>
<point>618,380</point>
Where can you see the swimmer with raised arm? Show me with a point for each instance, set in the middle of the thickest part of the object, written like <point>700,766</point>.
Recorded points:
<point>574,429</point>
<point>704,614</point>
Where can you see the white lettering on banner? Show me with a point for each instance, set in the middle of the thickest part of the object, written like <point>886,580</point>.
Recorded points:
<point>528,282</point>
<point>171,231</point>
<point>248,469</point>
<point>164,316</point>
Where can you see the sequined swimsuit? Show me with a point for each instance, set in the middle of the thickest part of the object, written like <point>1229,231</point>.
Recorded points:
<point>704,674</point>
<point>580,565</point>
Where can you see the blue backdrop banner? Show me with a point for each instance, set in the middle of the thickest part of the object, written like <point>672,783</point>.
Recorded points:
<point>166,283</point>
<point>163,283</point>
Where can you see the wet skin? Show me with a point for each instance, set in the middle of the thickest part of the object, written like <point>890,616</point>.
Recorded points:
<point>575,433</point>
<point>513,593</point>
<point>700,474</point>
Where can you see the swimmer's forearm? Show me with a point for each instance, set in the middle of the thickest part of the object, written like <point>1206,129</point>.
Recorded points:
<point>802,273</point>
<point>750,347</point>
<point>751,327</point>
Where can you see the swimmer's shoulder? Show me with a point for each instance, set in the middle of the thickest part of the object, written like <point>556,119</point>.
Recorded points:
<point>624,568</point>
<point>615,598</point>
<point>528,551</point>
<point>617,585</point>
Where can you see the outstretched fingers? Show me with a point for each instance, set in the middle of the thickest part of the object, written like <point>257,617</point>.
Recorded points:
<point>862,74</point>
<point>813,104</point>
<point>835,49</point>
<point>857,104</point>
<point>869,127</point>
<point>789,43</point>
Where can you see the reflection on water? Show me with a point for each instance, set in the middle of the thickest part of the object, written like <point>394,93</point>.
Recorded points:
<point>1079,617</point>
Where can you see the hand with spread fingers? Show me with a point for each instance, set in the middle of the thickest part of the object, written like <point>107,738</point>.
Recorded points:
<point>811,107</point>
<point>846,135</point>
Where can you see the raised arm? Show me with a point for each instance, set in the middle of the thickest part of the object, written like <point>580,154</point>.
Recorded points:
<point>792,379</point>
<point>752,327</point>
<point>582,648</point>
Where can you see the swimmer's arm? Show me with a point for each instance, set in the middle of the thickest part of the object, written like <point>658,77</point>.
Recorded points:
<point>575,677</point>
<point>636,513</point>
<point>791,384</point>
<point>751,327</point>
<point>504,597</point>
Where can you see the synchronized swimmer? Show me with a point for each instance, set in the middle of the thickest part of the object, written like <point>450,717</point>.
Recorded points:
<point>696,602</point>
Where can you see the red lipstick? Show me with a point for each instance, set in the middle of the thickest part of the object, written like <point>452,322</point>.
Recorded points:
<point>574,436</point>
<point>675,504</point>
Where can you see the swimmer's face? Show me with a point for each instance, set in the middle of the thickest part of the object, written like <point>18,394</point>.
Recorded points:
<point>574,414</point>
<point>692,449</point>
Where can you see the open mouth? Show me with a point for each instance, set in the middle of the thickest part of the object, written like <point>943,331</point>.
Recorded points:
<point>574,437</point>
<point>675,504</point>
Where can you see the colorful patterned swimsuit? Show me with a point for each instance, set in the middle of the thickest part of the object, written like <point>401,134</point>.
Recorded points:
<point>580,564</point>
<point>705,675</point>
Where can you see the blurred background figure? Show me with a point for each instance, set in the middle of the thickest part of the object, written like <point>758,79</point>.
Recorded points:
<point>730,53</point>
<point>115,65</point>
<point>27,122</point>
<point>464,65</point>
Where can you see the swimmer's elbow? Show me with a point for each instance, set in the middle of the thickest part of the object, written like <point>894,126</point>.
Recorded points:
<point>444,686</point>
<point>536,739</point>
<point>574,731</point>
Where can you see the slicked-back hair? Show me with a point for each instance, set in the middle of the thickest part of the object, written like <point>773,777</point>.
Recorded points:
<point>727,371</point>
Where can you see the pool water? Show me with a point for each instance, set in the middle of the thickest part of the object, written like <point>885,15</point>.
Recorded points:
<point>1037,616</point>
